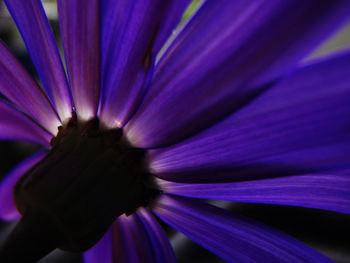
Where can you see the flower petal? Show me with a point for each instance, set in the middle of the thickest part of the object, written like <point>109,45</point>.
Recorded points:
<point>133,31</point>
<point>125,246</point>
<point>160,243</point>
<point>329,191</point>
<point>298,126</point>
<point>18,87</point>
<point>139,240</point>
<point>34,27</point>
<point>225,57</point>
<point>102,251</point>
<point>80,29</point>
<point>15,125</point>
<point>8,209</point>
<point>134,238</point>
<point>232,237</point>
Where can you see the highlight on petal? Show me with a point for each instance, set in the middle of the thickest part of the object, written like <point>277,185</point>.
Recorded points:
<point>227,55</point>
<point>18,87</point>
<point>132,33</point>
<point>15,125</point>
<point>34,27</point>
<point>329,191</point>
<point>80,29</point>
<point>300,125</point>
<point>134,238</point>
<point>8,209</point>
<point>232,237</point>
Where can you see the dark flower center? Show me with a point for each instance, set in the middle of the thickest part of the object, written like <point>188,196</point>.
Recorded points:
<point>89,178</point>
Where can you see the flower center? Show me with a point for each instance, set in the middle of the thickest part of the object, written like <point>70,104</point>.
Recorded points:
<point>89,178</point>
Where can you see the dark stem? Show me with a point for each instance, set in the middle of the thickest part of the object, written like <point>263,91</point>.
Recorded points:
<point>31,239</point>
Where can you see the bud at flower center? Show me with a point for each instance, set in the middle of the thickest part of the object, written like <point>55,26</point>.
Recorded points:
<point>89,178</point>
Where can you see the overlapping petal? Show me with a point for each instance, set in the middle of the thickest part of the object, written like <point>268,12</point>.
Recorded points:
<point>225,57</point>
<point>329,191</point>
<point>160,243</point>
<point>126,232</point>
<point>299,126</point>
<point>34,27</point>
<point>18,87</point>
<point>232,237</point>
<point>8,209</point>
<point>14,125</point>
<point>80,30</point>
<point>133,31</point>
<point>136,241</point>
<point>134,238</point>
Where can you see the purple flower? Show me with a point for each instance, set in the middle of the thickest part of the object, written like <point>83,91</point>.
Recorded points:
<point>229,112</point>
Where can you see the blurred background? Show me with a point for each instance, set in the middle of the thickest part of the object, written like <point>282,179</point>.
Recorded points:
<point>328,232</point>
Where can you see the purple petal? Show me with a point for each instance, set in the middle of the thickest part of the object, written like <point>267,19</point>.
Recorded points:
<point>225,57</point>
<point>8,209</point>
<point>136,238</point>
<point>102,252</point>
<point>80,29</point>
<point>137,245</point>
<point>18,86</point>
<point>329,191</point>
<point>133,31</point>
<point>124,247</point>
<point>232,237</point>
<point>34,27</point>
<point>15,125</point>
<point>160,242</point>
<point>300,125</point>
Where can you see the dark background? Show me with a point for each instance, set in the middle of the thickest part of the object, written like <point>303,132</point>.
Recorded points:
<point>328,232</point>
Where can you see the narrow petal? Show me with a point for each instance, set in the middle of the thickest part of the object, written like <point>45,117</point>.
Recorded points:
<point>124,247</point>
<point>224,58</point>
<point>300,125</point>
<point>34,27</point>
<point>15,125</point>
<point>160,243</point>
<point>80,29</point>
<point>8,209</point>
<point>329,191</point>
<point>232,237</point>
<point>18,87</point>
<point>133,31</point>
<point>134,238</point>
<point>102,252</point>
